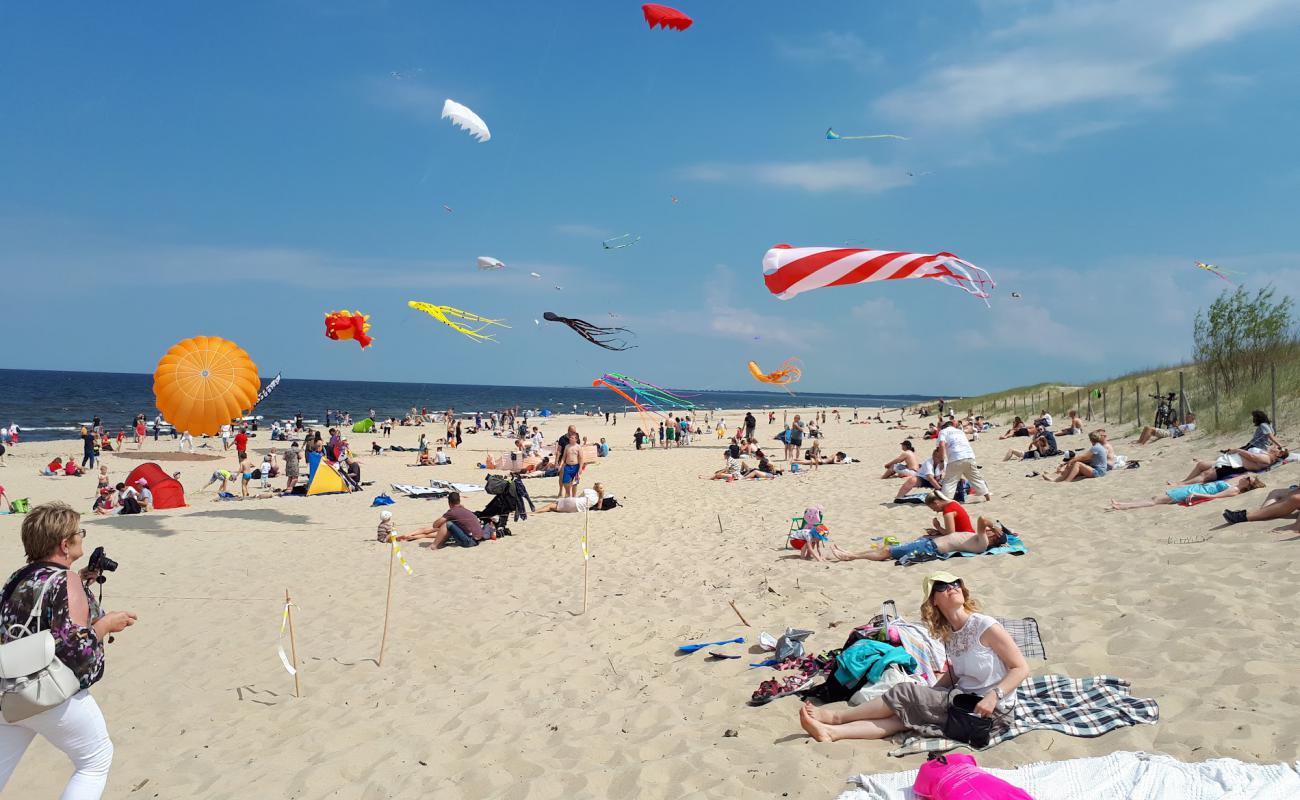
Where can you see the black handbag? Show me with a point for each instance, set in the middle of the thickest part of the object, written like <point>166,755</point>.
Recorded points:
<point>963,725</point>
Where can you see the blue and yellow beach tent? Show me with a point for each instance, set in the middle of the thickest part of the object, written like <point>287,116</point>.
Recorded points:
<point>326,480</point>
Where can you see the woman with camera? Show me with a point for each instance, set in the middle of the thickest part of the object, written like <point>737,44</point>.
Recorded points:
<point>53,541</point>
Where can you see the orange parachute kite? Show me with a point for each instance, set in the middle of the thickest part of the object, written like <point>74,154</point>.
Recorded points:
<point>787,374</point>
<point>341,325</point>
<point>204,383</point>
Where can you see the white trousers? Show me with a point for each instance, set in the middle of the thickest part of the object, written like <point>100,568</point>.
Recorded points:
<point>954,471</point>
<point>77,728</point>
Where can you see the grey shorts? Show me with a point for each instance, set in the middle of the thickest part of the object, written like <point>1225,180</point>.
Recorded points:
<point>924,709</point>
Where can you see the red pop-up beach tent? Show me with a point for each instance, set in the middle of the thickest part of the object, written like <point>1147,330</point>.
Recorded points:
<point>167,491</point>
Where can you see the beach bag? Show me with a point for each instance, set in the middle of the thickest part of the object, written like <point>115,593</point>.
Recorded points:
<point>32,678</point>
<point>130,505</point>
<point>964,725</point>
<point>957,777</point>
<point>382,500</point>
<point>607,503</point>
<point>20,506</point>
<point>496,484</point>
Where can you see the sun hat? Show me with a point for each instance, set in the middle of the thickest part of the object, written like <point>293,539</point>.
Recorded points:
<point>938,495</point>
<point>928,582</point>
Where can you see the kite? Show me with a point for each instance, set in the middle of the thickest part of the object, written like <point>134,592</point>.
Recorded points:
<point>918,174</point>
<point>1213,268</point>
<point>535,275</point>
<point>462,117</point>
<point>789,271</point>
<point>674,197</point>
<point>647,398</point>
<point>487,262</point>
<point>619,242</point>
<point>441,313</point>
<point>559,288</point>
<point>203,383</point>
<point>664,16</point>
<point>342,325</point>
<point>832,135</point>
<point>607,338</point>
<point>788,373</point>
<point>447,208</point>
<point>1015,295</point>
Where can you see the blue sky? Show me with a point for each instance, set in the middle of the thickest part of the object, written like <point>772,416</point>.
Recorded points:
<point>168,170</point>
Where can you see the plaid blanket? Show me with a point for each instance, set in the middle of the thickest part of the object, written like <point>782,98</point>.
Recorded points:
<point>1024,632</point>
<point>1075,706</point>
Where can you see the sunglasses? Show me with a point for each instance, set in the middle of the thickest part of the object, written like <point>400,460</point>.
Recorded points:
<point>940,586</point>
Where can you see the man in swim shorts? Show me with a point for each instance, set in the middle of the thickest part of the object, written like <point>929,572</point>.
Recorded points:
<point>572,467</point>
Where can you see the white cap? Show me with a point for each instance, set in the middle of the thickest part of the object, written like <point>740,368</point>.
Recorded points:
<point>385,515</point>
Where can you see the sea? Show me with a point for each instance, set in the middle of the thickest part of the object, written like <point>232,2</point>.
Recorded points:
<point>53,405</point>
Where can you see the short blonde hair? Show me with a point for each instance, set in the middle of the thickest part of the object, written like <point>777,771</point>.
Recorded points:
<point>45,526</point>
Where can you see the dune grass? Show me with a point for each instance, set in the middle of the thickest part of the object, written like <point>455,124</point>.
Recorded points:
<point>1124,403</point>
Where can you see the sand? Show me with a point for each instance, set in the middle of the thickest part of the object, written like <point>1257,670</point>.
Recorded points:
<point>494,685</point>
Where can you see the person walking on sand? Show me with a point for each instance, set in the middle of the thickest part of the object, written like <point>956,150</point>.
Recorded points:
<point>959,462</point>
<point>291,467</point>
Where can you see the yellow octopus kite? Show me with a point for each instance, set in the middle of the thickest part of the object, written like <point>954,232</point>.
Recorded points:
<point>441,313</point>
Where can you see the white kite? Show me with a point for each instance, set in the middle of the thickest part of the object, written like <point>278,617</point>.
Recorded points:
<point>462,117</point>
<point>535,275</point>
<point>487,262</point>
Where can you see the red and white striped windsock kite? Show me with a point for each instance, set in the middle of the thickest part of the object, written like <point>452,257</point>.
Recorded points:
<point>789,271</point>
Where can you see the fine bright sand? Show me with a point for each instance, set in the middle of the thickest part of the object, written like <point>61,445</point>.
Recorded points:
<point>493,685</point>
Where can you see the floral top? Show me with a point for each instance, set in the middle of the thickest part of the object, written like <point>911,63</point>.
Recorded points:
<point>80,649</point>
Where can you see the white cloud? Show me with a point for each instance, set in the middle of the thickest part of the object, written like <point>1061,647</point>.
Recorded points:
<point>405,96</point>
<point>582,231</point>
<point>830,47</point>
<point>843,175</point>
<point>1077,53</point>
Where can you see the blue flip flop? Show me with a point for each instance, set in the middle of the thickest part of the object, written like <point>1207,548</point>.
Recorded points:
<point>691,648</point>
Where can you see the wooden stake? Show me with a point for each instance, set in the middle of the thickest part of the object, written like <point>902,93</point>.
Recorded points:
<point>392,556</point>
<point>732,603</point>
<point>293,648</point>
<point>586,558</point>
<point>719,524</point>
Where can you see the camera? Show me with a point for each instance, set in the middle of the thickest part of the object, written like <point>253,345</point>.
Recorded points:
<point>101,563</point>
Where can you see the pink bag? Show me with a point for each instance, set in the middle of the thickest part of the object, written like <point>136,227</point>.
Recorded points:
<point>958,777</point>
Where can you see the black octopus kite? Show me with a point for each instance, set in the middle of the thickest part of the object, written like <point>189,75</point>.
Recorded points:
<point>608,338</point>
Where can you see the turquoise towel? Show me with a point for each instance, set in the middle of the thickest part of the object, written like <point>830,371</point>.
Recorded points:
<point>870,657</point>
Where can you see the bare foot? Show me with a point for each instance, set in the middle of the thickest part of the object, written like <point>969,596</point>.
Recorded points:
<point>1292,528</point>
<point>822,715</point>
<point>817,730</point>
<point>1114,505</point>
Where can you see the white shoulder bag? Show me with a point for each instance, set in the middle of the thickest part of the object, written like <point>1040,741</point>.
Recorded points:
<point>32,678</point>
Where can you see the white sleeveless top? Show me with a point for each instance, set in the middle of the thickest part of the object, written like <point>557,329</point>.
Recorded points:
<point>976,668</point>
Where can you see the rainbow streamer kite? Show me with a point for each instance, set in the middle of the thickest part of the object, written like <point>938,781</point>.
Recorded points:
<point>789,271</point>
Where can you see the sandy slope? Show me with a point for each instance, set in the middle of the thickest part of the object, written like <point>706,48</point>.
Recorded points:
<point>494,686</point>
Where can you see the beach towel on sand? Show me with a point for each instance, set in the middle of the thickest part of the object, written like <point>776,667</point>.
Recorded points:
<point>1118,776</point>
<point>1084,707</point>
<point>1012,546</point>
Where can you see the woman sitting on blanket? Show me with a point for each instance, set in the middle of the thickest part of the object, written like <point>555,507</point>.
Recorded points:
<point>1018,428</point>
<point>1186,495</point>
<point>734,470</point>
<point>1234,462</point>
<point>984,661</point>
<point>951,532</point>
<point>904,464</point>
<point>1090,463</point>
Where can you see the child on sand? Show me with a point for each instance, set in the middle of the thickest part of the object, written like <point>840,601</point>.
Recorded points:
<point>385,529</point>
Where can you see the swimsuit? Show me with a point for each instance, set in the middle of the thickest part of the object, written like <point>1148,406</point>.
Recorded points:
<point>570,473</point>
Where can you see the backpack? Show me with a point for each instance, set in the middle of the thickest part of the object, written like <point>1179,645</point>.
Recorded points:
<point>497,484</point>
<point>607,503</point>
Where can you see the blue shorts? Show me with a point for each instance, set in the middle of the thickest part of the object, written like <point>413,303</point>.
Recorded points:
<point>570,474</point>
<point>1098,472</point>
<point>923,545</point>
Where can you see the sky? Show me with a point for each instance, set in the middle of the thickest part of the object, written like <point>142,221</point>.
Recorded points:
<point>240,169</point>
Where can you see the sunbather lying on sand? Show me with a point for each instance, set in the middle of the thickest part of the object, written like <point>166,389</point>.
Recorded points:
<point>1234,462</point>
<point>985,661</point>
<point>949,533</point>
<point>1280,504</point>
<point>1182,494</point>
<point>1150,434</point>
<point>578,502</point>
